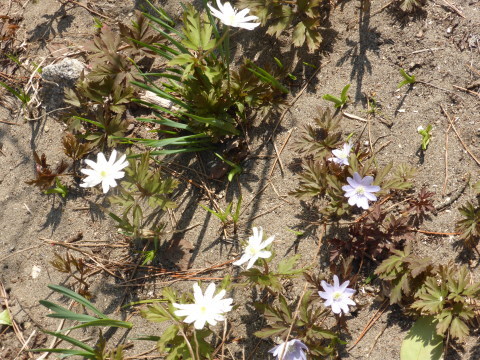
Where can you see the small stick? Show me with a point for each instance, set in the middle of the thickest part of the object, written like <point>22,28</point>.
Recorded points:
<point>434,232</point>
<point>453,198</point>
<point>370,323</point>
<point>87,8</point>
<point>425,50</point>
<point>277,159</point>
<point>266,212</point>
<point>376,339</point>
<point>459,137</point>
<point>454,8</point>
<point>467,90</point>
<point>444,189</point>
<point>8,122</point>
<point>354,117</point>
<point>434,86</point>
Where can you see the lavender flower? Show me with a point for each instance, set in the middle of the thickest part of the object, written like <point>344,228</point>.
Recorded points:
<point>360,190</point>
<point>341,155</point>
<point>337,296</point>
<point>292,350</point>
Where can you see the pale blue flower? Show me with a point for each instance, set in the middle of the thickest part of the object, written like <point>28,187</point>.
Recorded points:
<point>337,296</point>
<point>360,190</point>
<point>292,350</point>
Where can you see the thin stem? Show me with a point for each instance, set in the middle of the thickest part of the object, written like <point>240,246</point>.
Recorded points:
<point>196,344</point>
<point>227,56</point>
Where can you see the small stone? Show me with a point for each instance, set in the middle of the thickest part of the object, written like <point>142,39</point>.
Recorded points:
<point>36,271</point>
<point>46,129</point>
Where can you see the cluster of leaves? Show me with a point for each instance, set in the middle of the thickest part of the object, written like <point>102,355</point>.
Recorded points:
<point>306,327</point>
<point>381,232</point>
<point>444,292</point>
<point>209,99</point>
<point>100,97</point>
<point>272,280</point>
<point>77,268</point>
<point>144,186</point>
<point>305,17</point>
<point>179,340</point>
<point>322,178</point>
<point>46,177</point>
<point>469,225</point>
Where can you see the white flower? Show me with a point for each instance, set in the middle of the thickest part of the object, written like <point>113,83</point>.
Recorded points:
<point>420,128</point>
<point>103,171</point>
<point>207,308</point>
<point>229,16</point>
<point>254,249</point>
<point>292,350</point>
<point>337,296</point>
<point>360,190</point>
<point>341,155</point>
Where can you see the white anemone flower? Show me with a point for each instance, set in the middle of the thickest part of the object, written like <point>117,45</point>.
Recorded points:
<point>337,296</point>
<point>103,171</point>
<point>360,190</point>
<point>206,309</point>
<point>341,155</point>
<point>254,248</point>
<point>230,16</point>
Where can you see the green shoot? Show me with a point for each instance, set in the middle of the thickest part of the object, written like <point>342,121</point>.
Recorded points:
<point>59,189</point>
<point>5,318</point>
<point>408,79</point>
<point>426,135</point>
<point>227,217</point>
<point>339,102</point>
<point>19,94</point>
<point>236,169</point>
<point>297,233</point>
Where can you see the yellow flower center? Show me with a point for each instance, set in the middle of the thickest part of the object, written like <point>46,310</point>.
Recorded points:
<point>251,250</point>
<point>360,190</point>
<point>203,309</point>
<point>337,295</point>
<point>103,173</point>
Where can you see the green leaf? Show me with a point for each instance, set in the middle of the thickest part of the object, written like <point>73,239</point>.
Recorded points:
<point>5,318</point>
<point>285,267</point>
<point>422,341</point>
<point>78,298</point>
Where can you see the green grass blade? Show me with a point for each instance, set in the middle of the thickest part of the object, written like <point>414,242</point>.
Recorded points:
<point>78,298</point>
<point>103,322</point>
<point>219,124</point>
<point>343,95</point>
<point>334,99</point>
<point>59,312</point>
<point>71,340</point>
<point>85,354</point>
<point>93,122</point>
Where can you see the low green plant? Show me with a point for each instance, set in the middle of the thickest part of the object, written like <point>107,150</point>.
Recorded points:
<point>59,189</point>
<point>227,217</point>
<point>305,17</point>
<point>144,187</point>
<point>19,94</point>
<point>341,101</point>
<point>179,340</point>
<point>469,224</point>
<point>426,135</point>
<point>407,79</point>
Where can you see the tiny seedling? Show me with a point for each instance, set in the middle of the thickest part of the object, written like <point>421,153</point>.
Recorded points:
<point>408,79</point>
<point>19,94</point>
<point>426,135</point>
<point>5,318</point>
<point>59,189</point>
<point>339,102</point>
<point>227,216</point>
